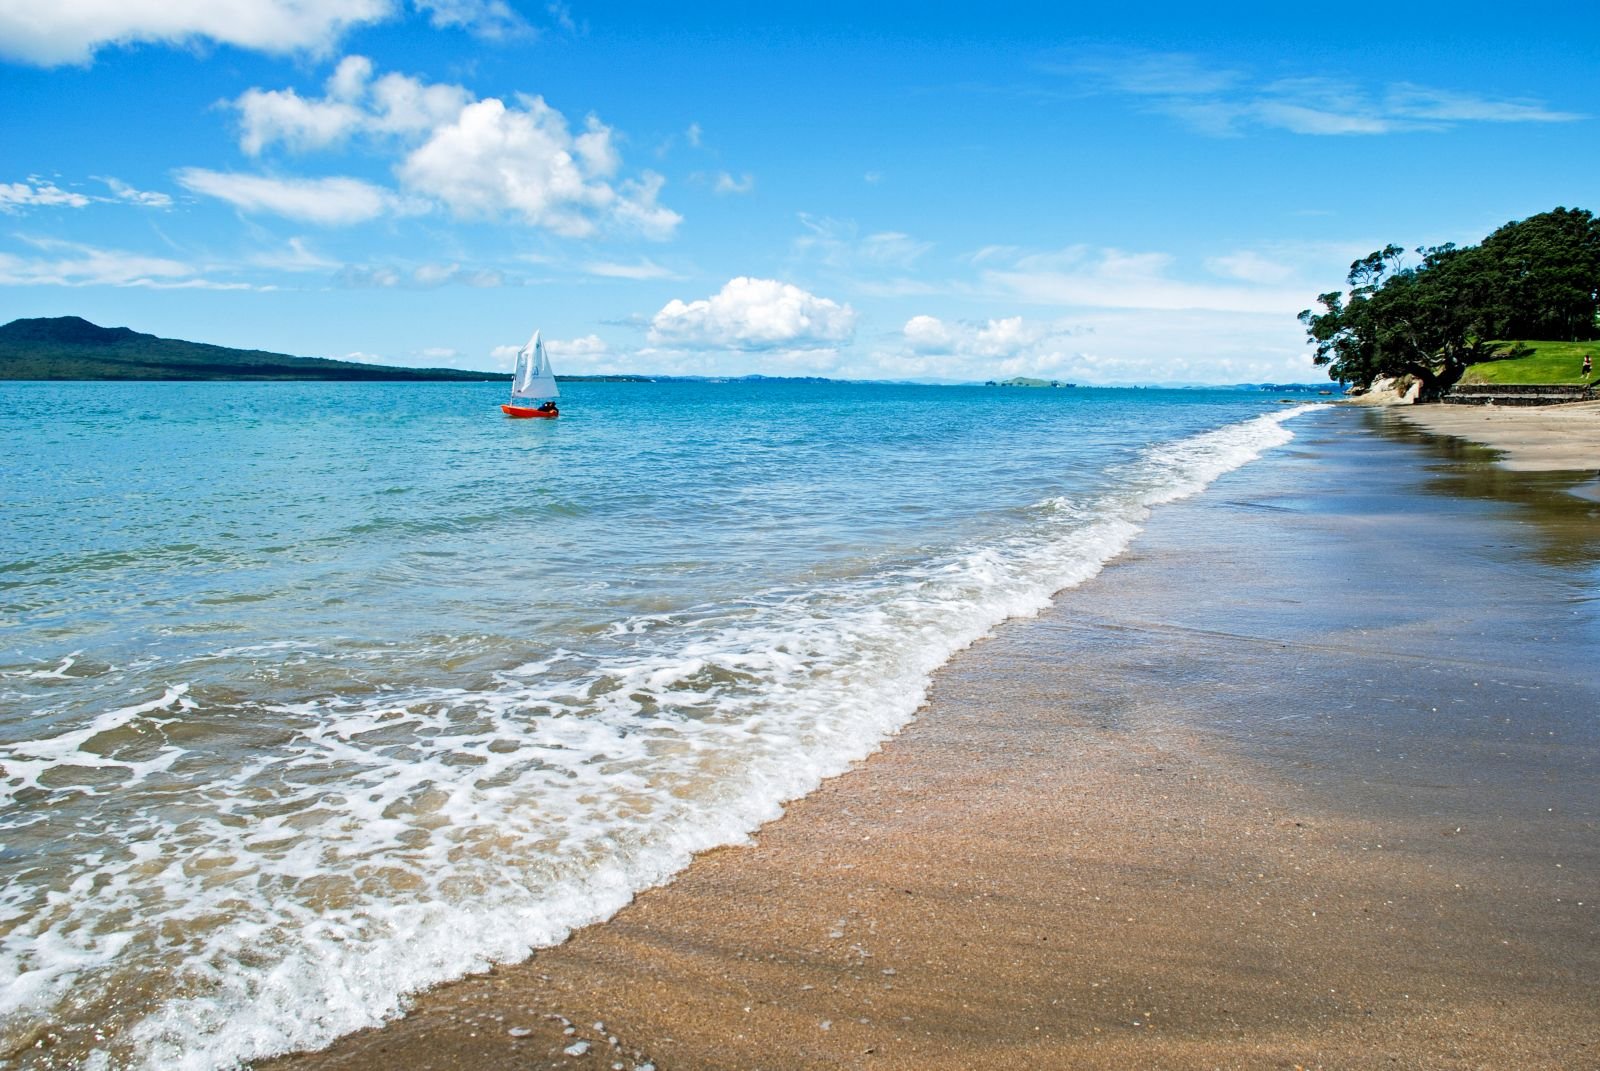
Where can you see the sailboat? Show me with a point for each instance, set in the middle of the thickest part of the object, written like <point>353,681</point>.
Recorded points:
<point>533,385</point>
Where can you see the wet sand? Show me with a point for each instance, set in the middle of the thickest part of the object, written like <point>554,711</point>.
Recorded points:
<point>1310,778</point>
<point>1529,438</point>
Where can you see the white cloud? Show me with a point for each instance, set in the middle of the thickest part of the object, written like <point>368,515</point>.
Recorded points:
<point>1101,348</point>
<point>755,314</point>
<point>37,192</point>
<point>995,349</point>
<point>1250,267</point>
<point>421,277</point>
<point>484,18</point>
<point>1223,102</point>
<point>726,183</point>
<point>561,15</point>
<point>49,34</point>
<point>838,244</point>
<point>493,160</point>
<point>296,256</point>
<point>354,103</point>
<point>1114,279</point>
<point>326,201</point>
<point>121,191</point>
<point>479,159</point>
<point>589,354</point>
<point>644,269</point>
<point>73,264</point>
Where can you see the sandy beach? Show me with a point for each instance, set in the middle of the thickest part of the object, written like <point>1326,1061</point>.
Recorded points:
<point>1530,438</point>
<point>1310,778</point>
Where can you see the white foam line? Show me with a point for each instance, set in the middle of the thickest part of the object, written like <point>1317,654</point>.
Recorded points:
<point>471,828</point>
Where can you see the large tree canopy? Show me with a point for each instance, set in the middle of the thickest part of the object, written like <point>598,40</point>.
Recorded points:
<point>1538,278</point>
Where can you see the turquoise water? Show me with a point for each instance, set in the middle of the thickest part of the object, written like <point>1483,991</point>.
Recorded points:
<point>314,695</point>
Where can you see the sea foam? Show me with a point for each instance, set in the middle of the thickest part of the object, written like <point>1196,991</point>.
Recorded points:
<point>380,841</point>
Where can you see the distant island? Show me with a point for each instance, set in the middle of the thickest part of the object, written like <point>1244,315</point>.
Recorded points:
<point>1024,381</point>
<point>70,347</point>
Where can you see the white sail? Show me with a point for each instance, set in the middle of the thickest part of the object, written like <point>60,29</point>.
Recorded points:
<point>533,377</point>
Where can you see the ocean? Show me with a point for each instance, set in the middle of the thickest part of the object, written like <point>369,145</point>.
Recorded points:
<point>313,696</point>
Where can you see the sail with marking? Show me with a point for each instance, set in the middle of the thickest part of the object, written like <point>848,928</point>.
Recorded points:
<point>533,377</point>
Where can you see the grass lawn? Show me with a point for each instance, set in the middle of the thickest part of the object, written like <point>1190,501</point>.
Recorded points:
<point>1551,362</point>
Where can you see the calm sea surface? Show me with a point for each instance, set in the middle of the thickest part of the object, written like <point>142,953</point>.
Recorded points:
<point>313,695</point>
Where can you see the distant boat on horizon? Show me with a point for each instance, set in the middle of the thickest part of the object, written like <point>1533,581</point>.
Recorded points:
<point>533,384</point>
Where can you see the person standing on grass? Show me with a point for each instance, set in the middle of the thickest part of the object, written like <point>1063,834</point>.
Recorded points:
<point>1588,366</point>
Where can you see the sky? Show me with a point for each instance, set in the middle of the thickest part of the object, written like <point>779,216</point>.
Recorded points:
<point>1106,194</point>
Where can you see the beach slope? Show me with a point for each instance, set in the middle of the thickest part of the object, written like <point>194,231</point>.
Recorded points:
<point>1310,778</point>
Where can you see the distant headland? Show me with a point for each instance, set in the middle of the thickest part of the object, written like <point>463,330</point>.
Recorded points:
<point>70,347</point>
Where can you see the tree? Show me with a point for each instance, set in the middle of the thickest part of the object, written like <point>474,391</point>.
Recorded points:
<point>1538,278</point>
<point>1424,321</point>
<point>1548,269</point>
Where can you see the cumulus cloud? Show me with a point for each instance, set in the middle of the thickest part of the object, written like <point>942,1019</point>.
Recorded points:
<point>354,102</point>
<point>478,159</point>
<point>755,314</point>
<point>71,31</point>
<point>325,201</point>
<point>493,160</point>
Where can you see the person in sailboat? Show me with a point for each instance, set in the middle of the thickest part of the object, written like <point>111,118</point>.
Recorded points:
<point>549,407</point>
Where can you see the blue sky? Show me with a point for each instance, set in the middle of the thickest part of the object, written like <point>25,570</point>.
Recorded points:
<point>1123,194</point>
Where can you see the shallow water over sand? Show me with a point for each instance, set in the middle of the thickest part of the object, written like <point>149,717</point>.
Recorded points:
<point>305,709</point>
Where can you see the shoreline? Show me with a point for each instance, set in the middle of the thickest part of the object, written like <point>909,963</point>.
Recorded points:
<point>1203,812</point>
<point>1547,438</point>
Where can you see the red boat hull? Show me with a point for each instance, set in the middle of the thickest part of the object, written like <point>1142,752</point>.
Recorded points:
<point>522,411</point>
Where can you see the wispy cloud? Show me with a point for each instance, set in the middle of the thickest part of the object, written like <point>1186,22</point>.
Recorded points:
<point>418,277</point>
<point>74,264</point>
<point>491,19</point>
<point>42,193</point>
<point>1081,277</point>
<point>839,244</point>
<point>727,183</point>
<point>1223,101</point>
<point>642,269</point>
<point>326,201</point>
<point>1102,347</point>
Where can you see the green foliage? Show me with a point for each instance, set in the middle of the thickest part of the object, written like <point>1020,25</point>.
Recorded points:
<point>1544,362</point>
<point>1436,319</point>
<point>69,347</point>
